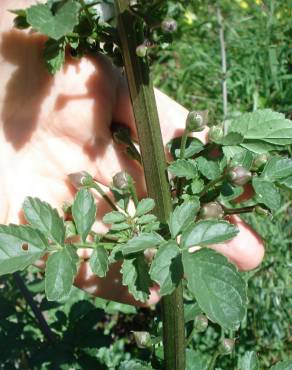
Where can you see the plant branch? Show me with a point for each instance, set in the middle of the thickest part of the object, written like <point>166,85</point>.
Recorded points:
<point>104,195</point>
<point>213,361</point>
<point>210,185</point>
<point>130,30</point>
<point>43,325</point>
<point>234,211</point>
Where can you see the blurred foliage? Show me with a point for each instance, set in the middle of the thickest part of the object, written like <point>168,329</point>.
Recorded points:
<point>92,333</point>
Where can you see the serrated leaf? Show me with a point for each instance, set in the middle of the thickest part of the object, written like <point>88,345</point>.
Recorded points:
<point>20,246</point>
<point>60,273</point>
<point>136,277</point>
<point>191,310</point>
<point>121,226</point>
<point>196,360</point>
<point>193,146</point>
<point>144,206</point>
<point>44,218</point>
<point>166,268</point>
<point>277,168</point>
<point>54,55</point>
<point>84,212</point>
<point>197,186</point>
<point>141,242</point>
<point>209,169</point>
<point>244,159</point>
<point>114,217</point>
<point>55,25</point>
<point>217,286</point>
<point>232,138</point>
<point>183,168</point>
<point>182,216</point>
<point>146,219</point>
<point>249,361</point>
<point>208,232</point>
<point>267,193</point>
<point>286,182</point>
<point>283,365</point>
<point>99,261</point>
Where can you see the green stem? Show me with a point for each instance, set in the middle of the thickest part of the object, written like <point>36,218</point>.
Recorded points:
<point>92,245</point>
<point>182,154</point>
<point>213,361</point>
<point>234,211</point>
<point>154,163</point>
<point>104,195</point>
<point>211,184</point>
<point>190,337</point>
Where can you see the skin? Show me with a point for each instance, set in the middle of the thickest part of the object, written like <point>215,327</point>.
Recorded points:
<point>53,126</point>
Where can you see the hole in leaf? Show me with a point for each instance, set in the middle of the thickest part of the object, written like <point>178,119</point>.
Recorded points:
<point>24,247</point>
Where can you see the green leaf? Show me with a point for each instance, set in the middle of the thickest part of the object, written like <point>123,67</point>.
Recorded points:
<point>146,219</point>
<point>259,147</point>
<point>114,217</point>
<point>286,182</point>
<point>267,193</point>
<point>55,25</point>
<point>197,186</point>
<point>120,226</point>
<point>20,246</point>
<point>196,360</point>
<point>209,169</point>
<point>193,146</point>
<point>182,216</point>
<point>244,159</point>
<point>284,365</point>
<point>184,168</point>
<point>208,232</point>
<point>277,168</point>
<point>191,310</point>
<point>136,277</point>
<point>233,138</point>
<point>44,218</point>
<point>144,206</point>
<point>249,361</point>
<point>84,212</point>
<point>99,261</point>
<point>141,242</point>
<point>217,286</point>
<point>166,268</point>
<point>60,273</point>
<point>54,55</point>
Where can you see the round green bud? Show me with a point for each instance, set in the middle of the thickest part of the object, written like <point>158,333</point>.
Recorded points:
<point>143,339</point>
<point>79,179</point>
<point>261,211</point>
<point>226,346</point>
<point>141,51</point>
<point>169,25</point>
<point>201,323</point>
<point>239,175</point>
<point>260,161</point>
<point>121,180</point>
<point>212,210</point>
<point>196,121</point>
<point>215,134</point>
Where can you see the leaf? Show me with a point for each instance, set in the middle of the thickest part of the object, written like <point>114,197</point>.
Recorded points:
<point>191,310</point>
<point>249,361</point>
<point>209,169</point>
<point>120,226</point>
<point>277,168</point>
<point>114,217</point>
<point>44,218</point>
<point>182,216</point>
<point>217,286</point>
<point>284,365</point>
<point>166,268</point>
<point>144,206</point>
<point>60,273</point>
<point>141,242</point>
<point>183,168</point>
<point>193,146</point>
<point>55,26</point>
<point>286,182</point>
<point>267,193</point>
<point>208,232</point>
<point>244,159</point>
<point>99,261</point>
<point>196,360</point>
<point>54,55</point>
<point>233,138</point>
<point>84,212</point>
<point>197,186</point>
<point>146,219</point>
<point>20,246</point>
<point>136,277</point>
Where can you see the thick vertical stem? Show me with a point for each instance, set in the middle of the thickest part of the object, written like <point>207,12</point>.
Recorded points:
<point>154,163</point>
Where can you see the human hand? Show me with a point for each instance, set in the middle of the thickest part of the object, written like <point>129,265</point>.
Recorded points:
<point>53,126</point>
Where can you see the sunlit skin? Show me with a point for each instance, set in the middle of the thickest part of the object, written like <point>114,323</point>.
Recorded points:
<point>53,126</point>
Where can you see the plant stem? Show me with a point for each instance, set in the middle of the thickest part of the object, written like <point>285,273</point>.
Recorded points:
<point>104,195</point>
<point>190,337</point>
<point>153,159</point>
<point>234,211</point>
<point>210,185</point>
<point>213,361</point>
<point>43,325</point>
<point>181,155</point>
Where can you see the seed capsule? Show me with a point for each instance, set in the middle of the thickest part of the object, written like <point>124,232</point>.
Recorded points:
<point>212,210</point>
<point>226,346</point>
<point>201,323</point>
<point>169,25</point>
<point>239,175</point>
<point>260,161</point>
<point>79,179</point>
<point>215,134</point>
<point>143,339</point>
<point>196,121</point>
<point>121,180</point>
<point>141,51</point>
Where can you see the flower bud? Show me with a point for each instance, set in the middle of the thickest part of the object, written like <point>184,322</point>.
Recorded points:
<point>212,210</point>
<point>239,175</point>
<point>200,323</point>
<point>226,347</point>
<point>261,211</point>
<point>121,180</point>
<point>260,161</point>
<point>79,179</point>
<point>121,134</point>
<point>70,229</point>
<point>169,25</point>
<point>141,51</point>
<point>196,121</point>
<point>143,339</point>
<point>215,134</point>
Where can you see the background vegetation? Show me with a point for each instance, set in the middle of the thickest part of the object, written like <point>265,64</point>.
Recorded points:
<point>92,333</point>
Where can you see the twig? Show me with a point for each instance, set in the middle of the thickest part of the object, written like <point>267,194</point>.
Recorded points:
<point>43,325</point>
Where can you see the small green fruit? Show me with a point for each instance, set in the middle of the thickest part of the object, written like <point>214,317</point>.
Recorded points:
<point>201,323</point>
<point>226,347</point>
<point>239,175</point>
<point>212,210</point>
<point>196,121</point>
<point>141,51</point>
